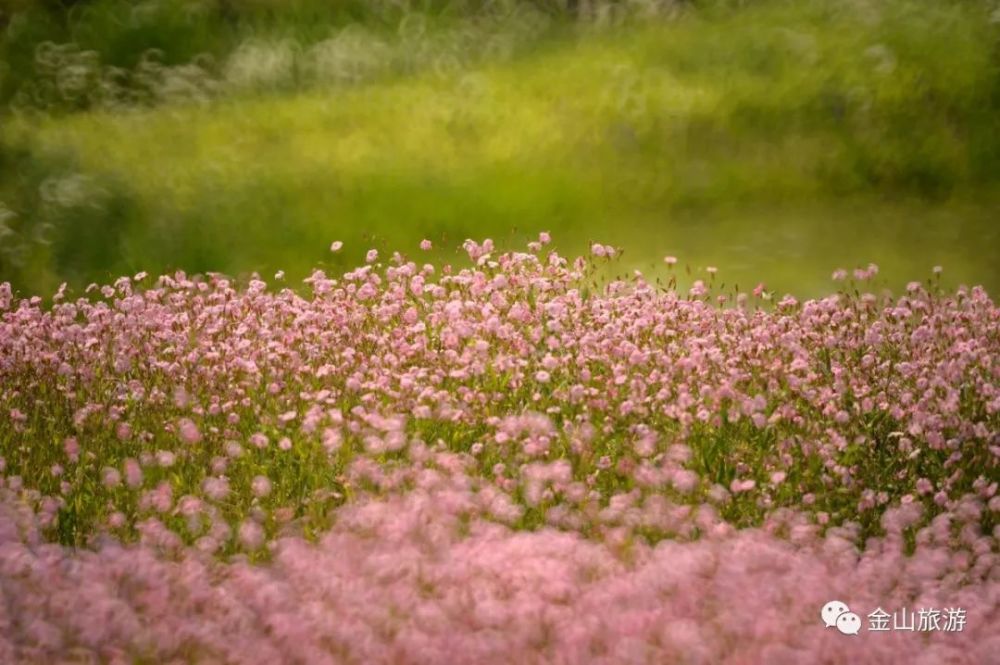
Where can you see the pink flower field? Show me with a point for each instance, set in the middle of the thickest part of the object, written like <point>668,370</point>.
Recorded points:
<point>512,462</point>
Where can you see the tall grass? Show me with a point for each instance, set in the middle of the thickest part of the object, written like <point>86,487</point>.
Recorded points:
<point>781,137</point>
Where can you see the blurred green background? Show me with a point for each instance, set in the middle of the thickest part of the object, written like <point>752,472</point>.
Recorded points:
<point>775,139</point>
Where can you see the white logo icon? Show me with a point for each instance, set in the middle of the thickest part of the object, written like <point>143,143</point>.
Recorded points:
<point>849,623</point>
<point>837,614</point>
<point>831,611</point>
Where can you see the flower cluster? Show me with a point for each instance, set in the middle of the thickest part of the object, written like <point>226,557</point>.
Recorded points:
<point>417,464</point>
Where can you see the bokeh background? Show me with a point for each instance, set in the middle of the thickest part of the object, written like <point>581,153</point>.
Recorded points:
<point>776,140</point>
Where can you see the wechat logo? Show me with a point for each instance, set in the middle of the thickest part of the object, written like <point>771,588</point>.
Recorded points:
<point>836,614</point>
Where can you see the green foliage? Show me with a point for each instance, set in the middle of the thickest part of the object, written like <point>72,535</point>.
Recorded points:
<point>52,214</point>
<point>776,139</point>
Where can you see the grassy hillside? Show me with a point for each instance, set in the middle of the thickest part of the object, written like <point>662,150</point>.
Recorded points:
<point>779,142</point>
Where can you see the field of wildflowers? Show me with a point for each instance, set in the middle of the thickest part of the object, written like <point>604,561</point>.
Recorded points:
<point>505,461</point>
<point>481,455</point>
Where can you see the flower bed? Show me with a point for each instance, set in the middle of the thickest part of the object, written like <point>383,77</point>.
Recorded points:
<point>505,462</point>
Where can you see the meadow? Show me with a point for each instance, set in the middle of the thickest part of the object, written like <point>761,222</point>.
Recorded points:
<point>780,141</point>
<point>490,332</point>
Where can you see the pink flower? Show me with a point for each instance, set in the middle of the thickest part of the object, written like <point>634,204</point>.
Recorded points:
<point>670,260</point>
<point>116,520</point>
<point>332,440</point>
<point>219,464</point>
<point>111,477</point>
<point>189,506</point>
<point>165,458</point>
<point>133,473</point>
<point>216,489</point>
<point>684,480</point>
<point>251,535</point>
<point>371,256</point>
<point>72,448</point>
<point>425,245</point>
<point>162,497</point>
<point>336,246</point>
<point>260,486</point>
<point>207,545</point>
<point>188,431</point>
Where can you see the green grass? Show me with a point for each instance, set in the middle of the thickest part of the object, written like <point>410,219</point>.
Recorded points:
<point>777,142</point>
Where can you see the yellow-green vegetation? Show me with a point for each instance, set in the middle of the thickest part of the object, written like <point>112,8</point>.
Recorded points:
<point>778,141</point>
